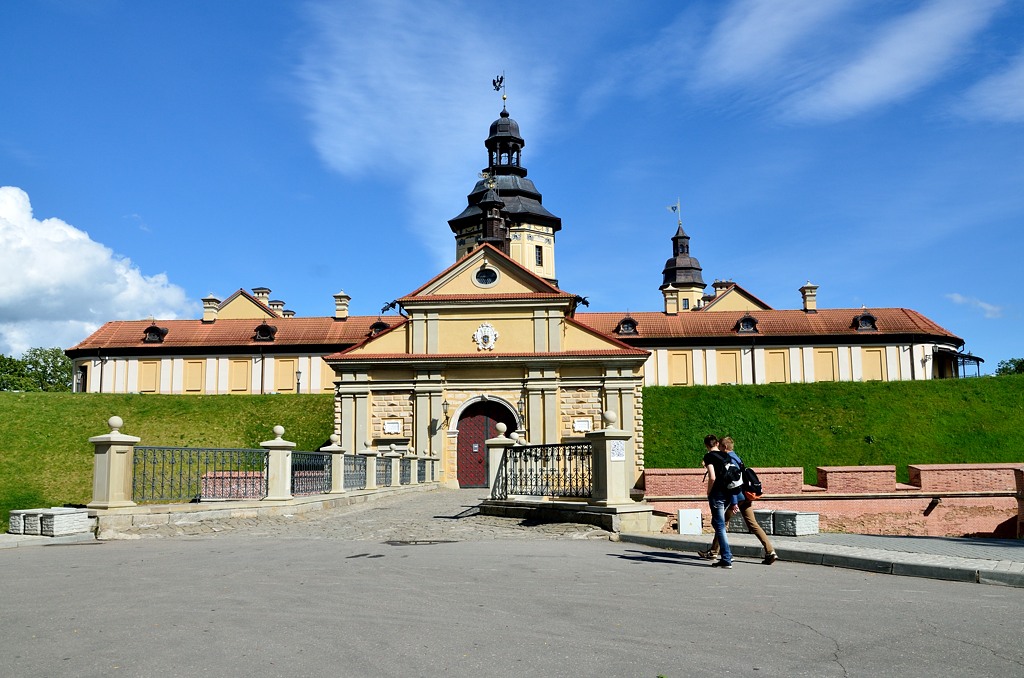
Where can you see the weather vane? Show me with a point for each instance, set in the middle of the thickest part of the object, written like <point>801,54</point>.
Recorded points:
<point>499,86</point>
<point>679,215</point>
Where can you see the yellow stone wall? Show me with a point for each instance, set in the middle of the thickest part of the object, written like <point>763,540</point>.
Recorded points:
<point>391,405</point>
<point>580,403</point>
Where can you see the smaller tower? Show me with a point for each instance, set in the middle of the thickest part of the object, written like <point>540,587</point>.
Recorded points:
<point>682,284</point>
<point>495,231</point>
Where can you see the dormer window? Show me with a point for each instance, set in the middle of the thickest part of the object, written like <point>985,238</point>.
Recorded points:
<point>747,325</point>
<point>865,322</point>
<point>626,326</point>
<point>154,335</point>
<point>378,327</point>
<point>264,332</point>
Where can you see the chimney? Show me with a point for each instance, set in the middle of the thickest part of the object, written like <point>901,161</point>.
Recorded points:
<point>276,306</point>
<point>671,295</point>
<point>211,305</point>
<point>262,294</point>
<point>341,305</point>
<point>809,293</point>
<point>287,314</point>
<point>721,286</point>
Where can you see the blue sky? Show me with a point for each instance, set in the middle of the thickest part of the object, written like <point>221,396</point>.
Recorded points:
<point>156,152</point>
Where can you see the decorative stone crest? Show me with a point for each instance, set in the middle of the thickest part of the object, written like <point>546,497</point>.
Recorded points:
<point>485,337</point>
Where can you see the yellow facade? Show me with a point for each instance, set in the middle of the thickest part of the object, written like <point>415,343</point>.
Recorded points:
<point>776,366</point>
<point>194,376</point>
<point>506,351</point>
<point>826,364</point>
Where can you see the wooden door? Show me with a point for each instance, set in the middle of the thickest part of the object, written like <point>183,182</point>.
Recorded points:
<point>478,423</point>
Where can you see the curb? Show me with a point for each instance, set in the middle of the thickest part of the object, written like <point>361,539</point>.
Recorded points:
<point>13,541</point>
<point>866,563</point>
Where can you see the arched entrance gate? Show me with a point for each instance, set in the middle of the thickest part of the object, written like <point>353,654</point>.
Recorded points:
<point>477,423</point>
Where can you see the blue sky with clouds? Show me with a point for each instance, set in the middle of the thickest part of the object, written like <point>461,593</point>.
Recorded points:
<point>153,153</point>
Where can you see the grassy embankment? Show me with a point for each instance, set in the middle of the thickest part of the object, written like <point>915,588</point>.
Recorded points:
<point>46,459</point>
<point>841,424</point>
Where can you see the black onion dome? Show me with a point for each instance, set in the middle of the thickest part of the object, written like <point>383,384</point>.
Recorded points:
<point>682,269</point>
<point>506,127</point>
<point>520,196</point>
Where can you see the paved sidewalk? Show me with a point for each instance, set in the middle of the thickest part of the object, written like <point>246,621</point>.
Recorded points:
<point>985,561</point>
<point>451,515</point>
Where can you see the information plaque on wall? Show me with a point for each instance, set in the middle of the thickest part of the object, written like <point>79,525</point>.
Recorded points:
<point>618,450</point>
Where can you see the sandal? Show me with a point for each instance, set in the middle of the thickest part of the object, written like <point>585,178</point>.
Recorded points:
<point>707,555</point>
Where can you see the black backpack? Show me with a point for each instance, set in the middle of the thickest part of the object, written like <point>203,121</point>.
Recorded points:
<point>751,484</point>
<point>732,474</point>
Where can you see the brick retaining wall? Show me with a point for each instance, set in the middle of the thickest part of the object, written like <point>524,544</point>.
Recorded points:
<point>941,499</point>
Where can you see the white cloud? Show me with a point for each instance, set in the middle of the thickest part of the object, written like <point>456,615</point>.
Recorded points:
<point>755,35</point>
<point>398,90</point>
<point>998,97</point>
<point>59,285</point>
<point>908,54</point>
<point>989,310</point>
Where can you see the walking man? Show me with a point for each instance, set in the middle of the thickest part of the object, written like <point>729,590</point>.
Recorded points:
<point>719,499</point>
<point>746,508</point>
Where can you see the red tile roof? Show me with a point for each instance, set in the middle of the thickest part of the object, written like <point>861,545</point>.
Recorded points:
<point>225,332</point>
<point>479,356</point>
<point>510,296</point>
<point>785,323</point>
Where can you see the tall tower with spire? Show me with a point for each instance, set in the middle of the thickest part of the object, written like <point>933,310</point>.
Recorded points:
<point>682,284</point>
<point>505,207</point>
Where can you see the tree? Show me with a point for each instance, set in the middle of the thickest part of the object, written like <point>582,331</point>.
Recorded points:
<point>39,369</point>
<point>48,368</point>
<point>13,376</point>
<point>1011,366</point>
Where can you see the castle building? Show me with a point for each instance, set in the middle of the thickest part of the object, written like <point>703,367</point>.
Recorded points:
<point>494,339</point>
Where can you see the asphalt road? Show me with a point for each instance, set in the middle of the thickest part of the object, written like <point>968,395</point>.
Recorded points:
<point>317,601</point>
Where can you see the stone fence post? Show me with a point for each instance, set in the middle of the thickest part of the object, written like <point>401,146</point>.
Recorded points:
<point>279,467</point>
<point>496,448</point>
<point>371,466</point>
<point>610,482</point>
<point>112,468</point>
<point>394,457</point>
<point>337,453</point>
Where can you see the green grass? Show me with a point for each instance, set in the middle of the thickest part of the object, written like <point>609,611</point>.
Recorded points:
<point>840,424</point>
<point>46,458</point>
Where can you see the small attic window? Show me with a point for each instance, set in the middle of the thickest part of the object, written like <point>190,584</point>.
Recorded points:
<point>865,322</point>
<point>378,327</point>
<point>486,276</point>
<point>747,325</point>
<point>264,332</point>
<point>626,326</point>
<point>154,335</point>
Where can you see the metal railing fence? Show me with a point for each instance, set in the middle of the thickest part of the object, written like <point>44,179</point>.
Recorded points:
<point>355,472</point>
<point>421,471</point>
<point>405,472</point>
<point>180,474</point>
<point>383,472</point>
<point>311,473</point>
<point>545,471</point>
